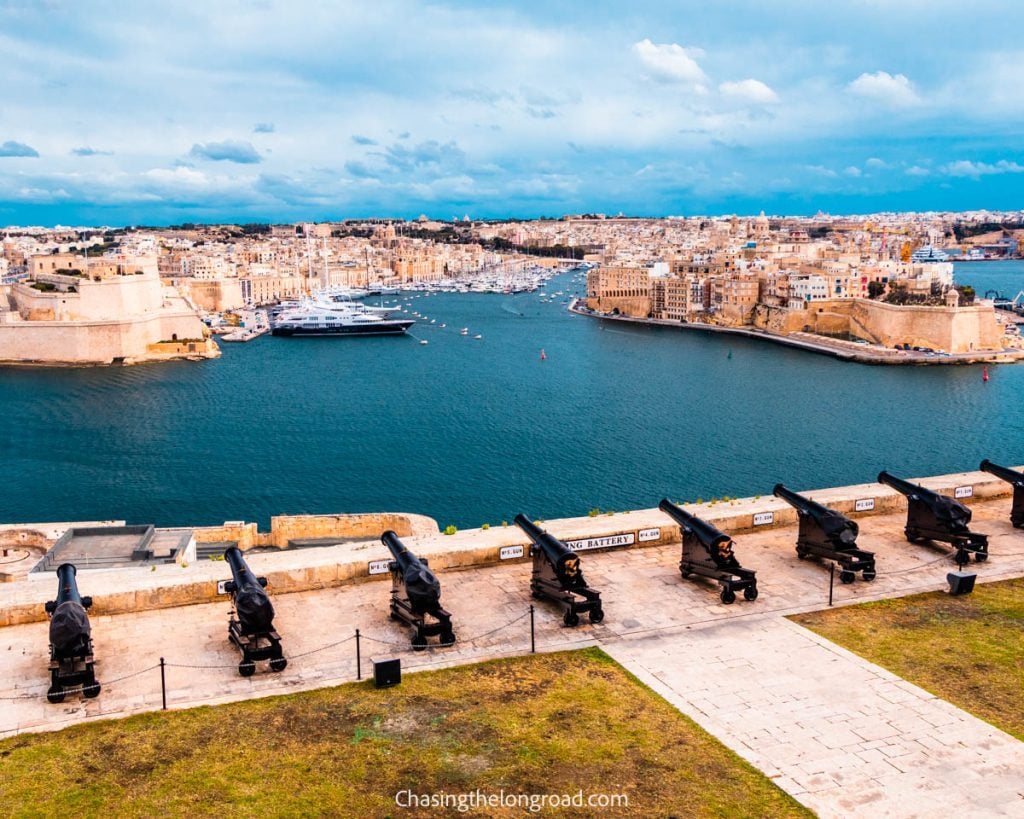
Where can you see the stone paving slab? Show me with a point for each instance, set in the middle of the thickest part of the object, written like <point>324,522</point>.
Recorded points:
<point>843,736</point>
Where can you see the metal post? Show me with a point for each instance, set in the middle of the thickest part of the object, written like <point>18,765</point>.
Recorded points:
<point>533,644</point>
<point>831,580</point>
<point>359,662</point>
<point>163,683</point>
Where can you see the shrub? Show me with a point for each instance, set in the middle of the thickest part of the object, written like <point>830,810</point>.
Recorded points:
<point>486,526</point>
<point>450,530</point>
<point>594,512</point>
<point>504,524</point>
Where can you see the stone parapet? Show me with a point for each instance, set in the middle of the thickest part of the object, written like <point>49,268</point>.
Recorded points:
<point>296,570</point>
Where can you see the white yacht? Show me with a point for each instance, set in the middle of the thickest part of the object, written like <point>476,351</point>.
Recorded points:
<point>929,254</point>
<point>320,319</point>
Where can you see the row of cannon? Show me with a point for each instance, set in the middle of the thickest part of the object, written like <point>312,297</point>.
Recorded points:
<point>556,576</point>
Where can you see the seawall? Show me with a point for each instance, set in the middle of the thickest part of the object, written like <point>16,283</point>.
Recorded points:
<point>837,348</point>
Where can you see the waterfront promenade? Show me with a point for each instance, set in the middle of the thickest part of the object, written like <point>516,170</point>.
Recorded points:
<point>844,737</point>
<point>834,347</point>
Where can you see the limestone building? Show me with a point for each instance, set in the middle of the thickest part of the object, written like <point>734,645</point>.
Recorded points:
<point>63,315</point>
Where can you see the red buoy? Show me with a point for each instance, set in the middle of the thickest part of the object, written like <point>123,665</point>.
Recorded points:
<point>543,357</point>
<point>984,374</point>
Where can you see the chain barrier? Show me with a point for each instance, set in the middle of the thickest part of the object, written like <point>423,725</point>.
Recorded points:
<point>78,688</point>
<point>461,640</point>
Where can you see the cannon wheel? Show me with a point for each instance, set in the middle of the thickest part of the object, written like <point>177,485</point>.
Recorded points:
<point>247,668</point>
<point>419,642</point>
<point>750,593</point>
<point>913,536</point>
<point>869,574</point>
<point>801,554</point>
<point>91,690</point>
<point>596,615</point>
<point>980,557</point>
<point>728,596</point>
<point>846,576</point>
<point>447,638</point>
<point>571,618</point>
<point>279,664</point>
<point>55,694</point>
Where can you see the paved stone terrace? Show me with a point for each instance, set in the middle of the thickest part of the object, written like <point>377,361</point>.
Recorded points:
<point>844,737</point>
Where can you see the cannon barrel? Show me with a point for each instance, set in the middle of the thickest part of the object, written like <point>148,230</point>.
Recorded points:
<point>557,553</point>
<point>252,603</point>
<point>1003,472</point>
<point>707,534</point>
<point>902,486</point>
<point>67,584</point>
<point>69,623</point>
<point>421,584</point>
<point>835,525</point>
<point>948,511</point>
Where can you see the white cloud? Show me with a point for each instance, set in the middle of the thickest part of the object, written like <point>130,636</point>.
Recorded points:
<point>976,170</point>
<point>917,170</point>
<point>875,162</point>
<point>852,170</point>
<point>670,62</point>
<point>821,170</point>
<point>753,91</point>
<point>894,90</point>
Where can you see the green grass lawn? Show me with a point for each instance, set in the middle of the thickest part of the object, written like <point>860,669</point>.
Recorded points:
<point>542,724</point>
<point>968,650</point>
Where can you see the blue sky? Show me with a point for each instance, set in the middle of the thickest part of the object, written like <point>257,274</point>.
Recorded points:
<point>158,113</point>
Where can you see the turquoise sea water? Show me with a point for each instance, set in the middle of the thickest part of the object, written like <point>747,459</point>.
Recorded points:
<point>469,431</point>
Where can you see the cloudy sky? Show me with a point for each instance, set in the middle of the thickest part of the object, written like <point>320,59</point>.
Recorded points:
<point>157,113</point>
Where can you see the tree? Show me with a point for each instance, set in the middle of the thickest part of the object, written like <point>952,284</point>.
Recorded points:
<point>966,293</point>
<point>875,289</point>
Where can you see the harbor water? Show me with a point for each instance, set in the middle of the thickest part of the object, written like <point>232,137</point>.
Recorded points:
<point>471,430</point>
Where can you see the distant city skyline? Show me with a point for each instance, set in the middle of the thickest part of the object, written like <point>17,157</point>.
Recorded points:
<point>121,114</point>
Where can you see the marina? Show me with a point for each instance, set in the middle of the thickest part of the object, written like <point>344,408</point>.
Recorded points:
<point>467,430</point>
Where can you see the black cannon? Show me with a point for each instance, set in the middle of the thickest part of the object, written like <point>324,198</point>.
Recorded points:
<point>1016,479</point>
<point>251,624</point>
<point>71,659</point>
<point>422,596</point>
<point>557,575</point>
<point>931,516</point>
<point>708,552</point>
<point>828,534</point>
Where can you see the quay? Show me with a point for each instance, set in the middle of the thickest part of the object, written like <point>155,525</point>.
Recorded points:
<point>837,348</point>
<point>762,685</point>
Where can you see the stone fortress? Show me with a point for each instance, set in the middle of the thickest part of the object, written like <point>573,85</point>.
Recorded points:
<point>74,310</point>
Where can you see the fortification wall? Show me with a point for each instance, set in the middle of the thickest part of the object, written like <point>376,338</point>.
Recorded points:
<point>295,570</point>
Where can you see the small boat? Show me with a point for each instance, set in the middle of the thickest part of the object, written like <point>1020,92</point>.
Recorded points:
<point>464,331</point>
<point>478,337</point>
<point>424,341</point>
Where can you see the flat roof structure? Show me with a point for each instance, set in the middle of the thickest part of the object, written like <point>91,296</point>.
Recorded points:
<point>115,547</point>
